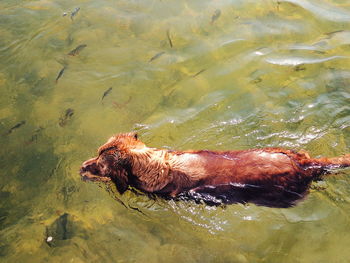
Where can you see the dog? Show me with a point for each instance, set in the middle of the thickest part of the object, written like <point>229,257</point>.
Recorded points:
<point>272,177</point>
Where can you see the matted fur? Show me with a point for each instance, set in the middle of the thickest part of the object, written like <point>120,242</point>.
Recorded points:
<point>270,176</point>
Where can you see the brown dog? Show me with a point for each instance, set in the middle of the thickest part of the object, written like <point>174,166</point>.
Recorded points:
<point>271,176</point>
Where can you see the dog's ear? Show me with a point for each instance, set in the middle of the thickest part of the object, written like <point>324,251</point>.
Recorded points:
<point>133,134</point>
<point>121,181</point>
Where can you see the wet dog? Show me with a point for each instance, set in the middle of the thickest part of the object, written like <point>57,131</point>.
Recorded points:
<point>270,176</point>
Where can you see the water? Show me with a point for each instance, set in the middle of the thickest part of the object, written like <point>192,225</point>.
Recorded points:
<point>253,74</point>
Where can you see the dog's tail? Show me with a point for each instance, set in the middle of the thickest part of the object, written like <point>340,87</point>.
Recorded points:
<point>328,163</point>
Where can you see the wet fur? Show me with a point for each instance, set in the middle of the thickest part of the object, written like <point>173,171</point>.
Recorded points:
<point>270,176</point>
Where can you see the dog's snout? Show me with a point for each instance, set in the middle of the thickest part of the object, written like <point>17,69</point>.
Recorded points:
<point>83,169</point>
<point>89,166</point>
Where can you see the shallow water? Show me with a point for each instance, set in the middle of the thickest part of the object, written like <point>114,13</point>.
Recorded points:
<point>185,76</point>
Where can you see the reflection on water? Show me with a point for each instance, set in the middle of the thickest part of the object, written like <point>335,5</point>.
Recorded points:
<point>185,75</point>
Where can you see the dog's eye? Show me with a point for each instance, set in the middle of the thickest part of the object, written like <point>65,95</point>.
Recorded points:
<point>106,150</point>
<point>108,158</point>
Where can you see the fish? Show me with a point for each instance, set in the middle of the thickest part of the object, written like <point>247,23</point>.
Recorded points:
<point>156,56</point>
<point>74,12</point>
<point>278,5</point>
<point>199,72</point>
<point>216,15</point>
<point>257,80</point>
<point>169,39</point>
<point>60,74</point>
<point>300,67</point>
<point>69,112</point>
<point>106,93</point>
<point>67,115</point>
<point>77,50</point>
<point>16,127</point>
<point>35,135</point>
<point>334,32</point>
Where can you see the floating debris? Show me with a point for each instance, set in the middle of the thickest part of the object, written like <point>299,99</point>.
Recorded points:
<point>156,56</point>
<point>16,127</point>
<point>60,74</point>
<point>74,12</point>
<point>67,115</point>
<point>77,50</point>
<point>199,72</point>
<point>49,238</point>
<point>106,93</point>
<point>216,15</point>
<point>169,39</point>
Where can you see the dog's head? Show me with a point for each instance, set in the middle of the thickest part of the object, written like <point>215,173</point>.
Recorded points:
<point>112,162</point>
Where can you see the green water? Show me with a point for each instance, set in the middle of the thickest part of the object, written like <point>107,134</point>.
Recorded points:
<point>234,75</point>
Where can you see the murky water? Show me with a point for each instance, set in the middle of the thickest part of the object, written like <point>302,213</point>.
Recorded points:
<point>186,75</point>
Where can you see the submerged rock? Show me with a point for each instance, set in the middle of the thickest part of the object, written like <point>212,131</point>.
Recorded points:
<point>61,229</point>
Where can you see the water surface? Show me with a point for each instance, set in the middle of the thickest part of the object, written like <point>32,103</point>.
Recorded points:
<point>186,75</point>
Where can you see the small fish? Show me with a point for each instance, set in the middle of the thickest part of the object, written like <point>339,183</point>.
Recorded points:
<point>216,15</point>
<point>278,5</point>
<point>199,72</point>
<point>333,32</point>
<point>69,112</point>
<point>257,80</point>
<point>16,127</point>
<point>60,74</point>
<point>169,39</point>
<point>106,93</point>
<point>74,12</point>
<point>77,50</point>
<point>67,115</point>
<point>300,67</point>
<point>35,135</point>
<point>156,56</point>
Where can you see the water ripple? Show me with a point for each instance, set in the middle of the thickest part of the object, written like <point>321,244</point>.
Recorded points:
<point>323,10</point>
<point>294,61</point>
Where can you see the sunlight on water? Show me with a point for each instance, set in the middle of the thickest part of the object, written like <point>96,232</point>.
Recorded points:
<point>185,75</point>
